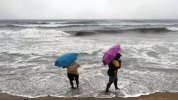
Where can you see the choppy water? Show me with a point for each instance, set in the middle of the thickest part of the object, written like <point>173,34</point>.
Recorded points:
<point>29,49</point>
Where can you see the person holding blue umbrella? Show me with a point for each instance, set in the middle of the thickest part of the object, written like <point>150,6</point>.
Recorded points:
<point>73,74</point>
<point>68,60</point>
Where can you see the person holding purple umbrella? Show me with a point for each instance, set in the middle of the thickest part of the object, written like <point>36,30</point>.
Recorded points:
<point>114,65</point>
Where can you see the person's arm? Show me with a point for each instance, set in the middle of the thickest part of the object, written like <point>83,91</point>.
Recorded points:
<point>78,65</point>
<point>120,63</point>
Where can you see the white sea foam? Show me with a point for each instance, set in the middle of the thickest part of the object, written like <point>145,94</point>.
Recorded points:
<point>57,38</point>
<point>50,25</point>
<point>31,33</point>
<point>172,28</point>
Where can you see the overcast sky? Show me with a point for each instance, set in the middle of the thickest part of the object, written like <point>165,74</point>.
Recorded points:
<point>88,9</point>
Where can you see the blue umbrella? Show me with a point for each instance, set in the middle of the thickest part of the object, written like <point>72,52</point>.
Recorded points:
<point>66,59</point>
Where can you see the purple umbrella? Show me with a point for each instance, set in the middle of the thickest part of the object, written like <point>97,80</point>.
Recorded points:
<point>110,54</point>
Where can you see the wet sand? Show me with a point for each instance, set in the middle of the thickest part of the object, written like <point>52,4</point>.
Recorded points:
<point>155,96</point>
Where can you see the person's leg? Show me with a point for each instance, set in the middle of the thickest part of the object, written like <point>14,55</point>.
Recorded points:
<point>71,83</point>
<point>77,80</point>
<point>115,83</point>
<point>109,84</point>
<point>70,79</point>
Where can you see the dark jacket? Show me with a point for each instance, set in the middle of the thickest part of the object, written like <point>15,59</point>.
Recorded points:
<point>112,71</point>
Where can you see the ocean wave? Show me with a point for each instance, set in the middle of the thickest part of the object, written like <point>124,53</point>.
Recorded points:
<point>81,22</point>
<point>120,30</point>
<point>84,33</point>
<point>51,45</point>
<point>32,33</point>
<point>172,28</point>
<point>24,53</point>
<point>34,25</point>
<point>93,25</point>
<point>10,26</point>
<point>110,31</point>
<point>53,25</point>
<point>19,53</point>
<point>23,24</point>
<point>159,29</point>
<point>38,25</point>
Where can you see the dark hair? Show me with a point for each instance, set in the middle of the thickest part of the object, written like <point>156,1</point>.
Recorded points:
<point>118,55</point>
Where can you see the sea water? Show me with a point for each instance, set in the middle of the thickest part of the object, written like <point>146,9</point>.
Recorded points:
<point>29,49</point>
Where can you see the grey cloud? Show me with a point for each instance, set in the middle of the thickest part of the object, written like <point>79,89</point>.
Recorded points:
<point>84,9</point>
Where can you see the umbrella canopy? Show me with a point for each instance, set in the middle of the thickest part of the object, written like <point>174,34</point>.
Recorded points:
<point>110,54</point>
<point>66,59</point>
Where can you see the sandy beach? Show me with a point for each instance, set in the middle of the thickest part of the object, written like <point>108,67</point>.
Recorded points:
<point>155,96</point>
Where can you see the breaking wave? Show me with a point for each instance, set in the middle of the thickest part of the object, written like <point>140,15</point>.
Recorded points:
<point>32,33</point>
<point>173,28</point>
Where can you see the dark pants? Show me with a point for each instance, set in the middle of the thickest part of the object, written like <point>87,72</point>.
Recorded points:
<point>73,77</point>
<point>112,79</point>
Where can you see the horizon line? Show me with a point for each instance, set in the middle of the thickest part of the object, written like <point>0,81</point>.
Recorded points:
<point>90,19</point>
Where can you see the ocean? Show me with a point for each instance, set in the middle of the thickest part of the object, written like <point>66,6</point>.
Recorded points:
<point>29,49</point>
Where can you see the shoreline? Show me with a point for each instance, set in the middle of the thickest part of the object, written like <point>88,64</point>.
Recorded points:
<point>154,96</point>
